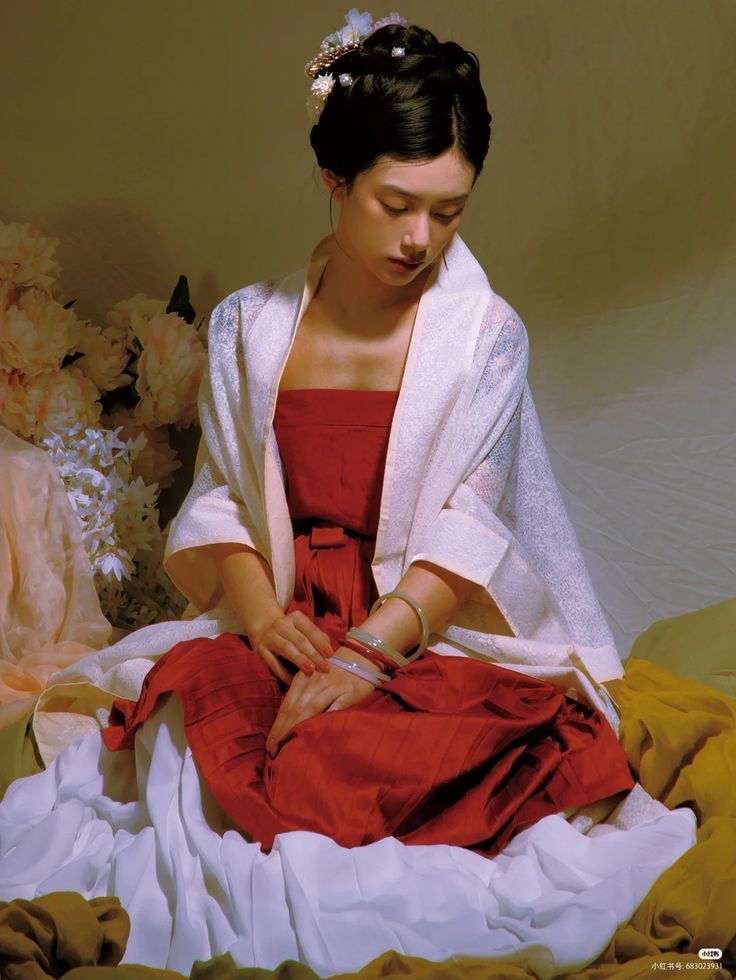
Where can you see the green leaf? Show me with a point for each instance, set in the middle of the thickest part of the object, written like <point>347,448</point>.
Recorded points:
<point>179,302</point>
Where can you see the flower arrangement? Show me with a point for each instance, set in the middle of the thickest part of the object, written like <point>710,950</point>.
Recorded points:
<point>101,399</point>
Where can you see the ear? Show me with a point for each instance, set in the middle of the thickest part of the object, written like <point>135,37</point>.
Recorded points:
<point>331,180</point>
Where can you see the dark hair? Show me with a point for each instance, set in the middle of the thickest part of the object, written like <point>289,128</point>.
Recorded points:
<point>414,107</point>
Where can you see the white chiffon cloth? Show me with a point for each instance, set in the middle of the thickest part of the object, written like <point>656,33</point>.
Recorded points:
<point>143,827</point>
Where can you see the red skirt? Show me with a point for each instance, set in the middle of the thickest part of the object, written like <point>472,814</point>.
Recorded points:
<point>451,751</point>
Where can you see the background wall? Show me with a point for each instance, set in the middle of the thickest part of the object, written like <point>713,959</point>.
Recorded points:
<point>157,138</point>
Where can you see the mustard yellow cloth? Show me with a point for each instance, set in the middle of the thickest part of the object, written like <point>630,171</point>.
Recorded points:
<point>47,937</point>
<point>680,738</point>
<point>126,971</point>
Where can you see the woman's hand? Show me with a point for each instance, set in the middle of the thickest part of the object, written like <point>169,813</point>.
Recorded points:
<point>309,696</point>
<point>293,637</point>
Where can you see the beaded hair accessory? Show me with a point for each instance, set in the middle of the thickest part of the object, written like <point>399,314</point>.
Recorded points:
<point>334,46</point>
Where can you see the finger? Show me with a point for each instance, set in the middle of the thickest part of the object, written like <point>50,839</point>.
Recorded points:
<point>343,701</point>
<point>319,639</point>
<point>275,666</point>
<point>278,728</point>
<point>283,646</point>
<point>299,635</point>
<point>294,713</point>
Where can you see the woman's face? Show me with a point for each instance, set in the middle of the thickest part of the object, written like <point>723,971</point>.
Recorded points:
<point>403,210</point>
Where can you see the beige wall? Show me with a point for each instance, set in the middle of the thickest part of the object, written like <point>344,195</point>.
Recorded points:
<point>157,138</point>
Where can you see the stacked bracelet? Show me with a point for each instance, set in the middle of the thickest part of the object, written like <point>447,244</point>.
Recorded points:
<point>370,653</point>
<point>367,675</point>
<point>421,615</point>
<point>373,643</point>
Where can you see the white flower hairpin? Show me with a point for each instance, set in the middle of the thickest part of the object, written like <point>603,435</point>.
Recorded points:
<point>357,27</point>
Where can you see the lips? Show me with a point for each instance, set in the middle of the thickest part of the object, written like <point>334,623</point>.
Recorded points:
<point>410,265</point>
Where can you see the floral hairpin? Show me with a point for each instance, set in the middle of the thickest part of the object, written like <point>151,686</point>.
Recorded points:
<point>358,27</point>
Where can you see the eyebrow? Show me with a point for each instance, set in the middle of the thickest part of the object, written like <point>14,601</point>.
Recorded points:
<point>415,197</point>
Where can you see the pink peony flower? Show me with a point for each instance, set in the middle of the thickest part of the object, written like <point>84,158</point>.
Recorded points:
<point>169,371</point>
<point>26,257</point>
<point>126,316</point>
<point>105,358</point>
<point>48,400</point>
<point>35,331</point>
<point>157,460</point>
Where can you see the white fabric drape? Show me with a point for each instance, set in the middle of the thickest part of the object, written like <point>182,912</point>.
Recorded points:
<point>145,829</point>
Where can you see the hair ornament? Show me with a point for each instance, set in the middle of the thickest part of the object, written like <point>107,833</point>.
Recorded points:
<point>321,88</point>
<point>357,27</point>
<point>346,79</point>
<point>398,52</point>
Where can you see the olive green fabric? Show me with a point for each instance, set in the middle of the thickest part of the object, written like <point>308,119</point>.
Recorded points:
<point>17,752</point>
<point>700,645</point>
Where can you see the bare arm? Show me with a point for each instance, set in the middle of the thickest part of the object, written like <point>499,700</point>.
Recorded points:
<point>438,591</point>
<point>248,583</point>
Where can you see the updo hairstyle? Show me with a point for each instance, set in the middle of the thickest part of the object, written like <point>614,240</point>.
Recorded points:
<point>413,107</point>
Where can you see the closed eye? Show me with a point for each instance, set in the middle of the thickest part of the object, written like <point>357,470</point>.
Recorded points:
<point>440,217</point>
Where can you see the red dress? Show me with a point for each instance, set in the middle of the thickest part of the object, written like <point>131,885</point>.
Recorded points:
<point>451,751</point>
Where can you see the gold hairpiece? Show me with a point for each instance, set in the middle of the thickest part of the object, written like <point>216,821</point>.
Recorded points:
<point>358,27</point>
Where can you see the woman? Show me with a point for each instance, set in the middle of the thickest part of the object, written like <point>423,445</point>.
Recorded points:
<point>400,141</point>
<point>371,489</point>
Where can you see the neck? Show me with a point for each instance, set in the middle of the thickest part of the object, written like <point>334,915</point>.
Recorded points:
<point>355,296</point>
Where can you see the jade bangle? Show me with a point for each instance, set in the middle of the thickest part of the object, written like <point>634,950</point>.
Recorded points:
<point>421,615</point>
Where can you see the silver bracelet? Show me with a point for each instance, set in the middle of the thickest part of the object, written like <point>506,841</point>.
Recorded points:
<point>421,615</point>
<point>360,671</point>
<point>358,633</point>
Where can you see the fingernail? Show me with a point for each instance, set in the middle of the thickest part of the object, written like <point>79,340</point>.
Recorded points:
<point>323,666</point>
<point>270,746</point>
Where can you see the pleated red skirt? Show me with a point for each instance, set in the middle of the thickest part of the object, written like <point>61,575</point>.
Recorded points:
<point>451,751</point>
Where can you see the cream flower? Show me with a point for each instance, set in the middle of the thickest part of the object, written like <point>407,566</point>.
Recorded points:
<point>49,400</point>
<point>105,358</point>
<point>320,89</point>
<point>128,314</point>
<point>169,371</point>
<point>35,331</point>
<point>357,27</point>
<point>157,460</point>
<point>26,257</point>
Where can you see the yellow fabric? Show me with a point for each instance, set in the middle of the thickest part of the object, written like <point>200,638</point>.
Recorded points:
<point>127,971</point>
<point>17,752</point>
<point>680,738</point>
<point>700,645</point>
<point>48,936</point>
<point>50,615</point>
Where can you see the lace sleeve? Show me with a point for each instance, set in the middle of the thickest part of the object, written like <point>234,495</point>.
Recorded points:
<point>214,510</point>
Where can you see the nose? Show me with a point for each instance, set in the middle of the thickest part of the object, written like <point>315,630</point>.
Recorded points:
<point>417,237</point>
